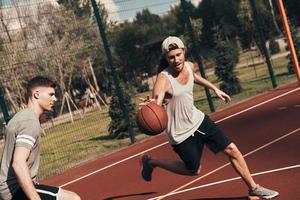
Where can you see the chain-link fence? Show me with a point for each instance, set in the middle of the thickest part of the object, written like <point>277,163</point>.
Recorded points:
<point>45,38</point>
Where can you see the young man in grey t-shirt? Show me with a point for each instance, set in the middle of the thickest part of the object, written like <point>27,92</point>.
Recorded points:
<point>21,156</point>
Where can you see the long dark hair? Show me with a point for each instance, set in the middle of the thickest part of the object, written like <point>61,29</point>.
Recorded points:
<point>163,64</point>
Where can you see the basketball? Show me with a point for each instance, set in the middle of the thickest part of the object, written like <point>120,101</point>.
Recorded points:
<point>152,119</point>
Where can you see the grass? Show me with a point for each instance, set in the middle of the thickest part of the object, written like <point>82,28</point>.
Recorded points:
<point>248,56</point>
<point>70,144</point>
<point>254,80</point>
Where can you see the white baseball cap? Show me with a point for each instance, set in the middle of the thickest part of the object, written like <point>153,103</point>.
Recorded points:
<point>165,46</point>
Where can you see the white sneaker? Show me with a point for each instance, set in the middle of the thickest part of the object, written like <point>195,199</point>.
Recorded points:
<point>263,192</point>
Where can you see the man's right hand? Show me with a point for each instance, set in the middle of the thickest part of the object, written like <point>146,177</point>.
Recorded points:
<point>145,101</point>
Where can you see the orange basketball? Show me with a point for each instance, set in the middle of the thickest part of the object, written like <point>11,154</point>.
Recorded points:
<point>152,119</point>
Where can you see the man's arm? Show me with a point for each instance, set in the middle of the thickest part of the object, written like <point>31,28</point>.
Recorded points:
<point>160,88</point>
<point>201,81</point>
<point>22,172</point>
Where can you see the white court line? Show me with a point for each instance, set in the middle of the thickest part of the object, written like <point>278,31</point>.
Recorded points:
<point>231,179</point>
<point>111,165</point>
<point>223,166</point>
<point>264,102</point>
<point>135,155</point>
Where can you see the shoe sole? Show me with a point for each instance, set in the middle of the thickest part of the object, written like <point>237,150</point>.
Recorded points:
<point>258,198</point>
<point>253,198</point>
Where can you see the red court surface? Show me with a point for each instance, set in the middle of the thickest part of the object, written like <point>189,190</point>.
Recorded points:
<point>266,128</point>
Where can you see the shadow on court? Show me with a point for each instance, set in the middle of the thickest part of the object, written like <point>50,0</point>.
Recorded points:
<point>223,198</point>
<point>103,137</point>
<point>129,195</point>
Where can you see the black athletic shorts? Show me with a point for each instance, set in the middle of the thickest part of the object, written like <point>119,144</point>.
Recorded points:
<point>208,133</point>
<point>46,193</point>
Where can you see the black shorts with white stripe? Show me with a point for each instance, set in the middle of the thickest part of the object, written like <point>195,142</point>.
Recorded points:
<point>208,133</point>
<point>46,192</point>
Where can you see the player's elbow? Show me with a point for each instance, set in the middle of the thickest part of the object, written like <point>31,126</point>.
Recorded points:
<point>17,166</point>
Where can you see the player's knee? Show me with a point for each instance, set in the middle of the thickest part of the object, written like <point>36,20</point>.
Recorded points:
<point>76,197</point>
<point>232,150</point>
<point>196,172</point>
<point>194,169</point>
<point>66,195</point>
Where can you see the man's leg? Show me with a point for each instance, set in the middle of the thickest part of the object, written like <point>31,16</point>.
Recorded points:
<point>190,152</point>
<point>47,192</point>
<point>217,141</point>
<point>67,195</point>
<point>175,166</point>
<point>53,193</point>
<point>239,164</point>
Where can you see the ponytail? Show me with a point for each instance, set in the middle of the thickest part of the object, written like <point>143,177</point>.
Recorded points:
<point>163,64</point>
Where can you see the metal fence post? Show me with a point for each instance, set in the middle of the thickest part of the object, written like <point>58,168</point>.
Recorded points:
<point>196,52</point>
<point>115,75</point>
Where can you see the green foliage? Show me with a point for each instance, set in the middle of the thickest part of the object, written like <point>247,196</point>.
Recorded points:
<point>226,59</point>
<point>140,85</point>
<point>296,39</point>
<point>137,44</point>
<point>77,30</point>
<point>265,17</point>
<point>245,27</point>
<point>247,30</point>
<point>274,46</point>
<point>79,7</point>
<point>118,128</point>
<point>145,17</point>
<point>223,13</point>
<point>293,7</point>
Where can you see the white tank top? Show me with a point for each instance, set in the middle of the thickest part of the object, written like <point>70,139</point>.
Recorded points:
<point>183,117</point>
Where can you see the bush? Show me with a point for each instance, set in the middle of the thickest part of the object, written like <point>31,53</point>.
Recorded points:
<point>296,38</point>
<point>226,60</point>
<point>144,87</point>
<point>118,128</point>
<point>274,47</point>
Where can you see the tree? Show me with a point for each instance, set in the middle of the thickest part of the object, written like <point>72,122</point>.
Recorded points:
<point>246,29</point>
<point>274,46</point>
<point>293,7</point>
<point>20,47</point>
<point>81,8</point>
<point>218,12</point>
<point>265,16</point>
<point>295,31</point>
<point>132,41</point>
<point>88,36</point>
<point>274,17</point>
<point>226,59</point>
<point>117,127</point>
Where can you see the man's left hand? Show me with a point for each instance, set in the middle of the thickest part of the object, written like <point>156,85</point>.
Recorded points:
<point>222,95</point>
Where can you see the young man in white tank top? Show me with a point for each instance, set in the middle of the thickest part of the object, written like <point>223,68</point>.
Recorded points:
<point>189,129</point>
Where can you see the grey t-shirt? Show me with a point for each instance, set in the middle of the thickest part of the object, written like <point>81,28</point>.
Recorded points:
<point>23,130</point>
